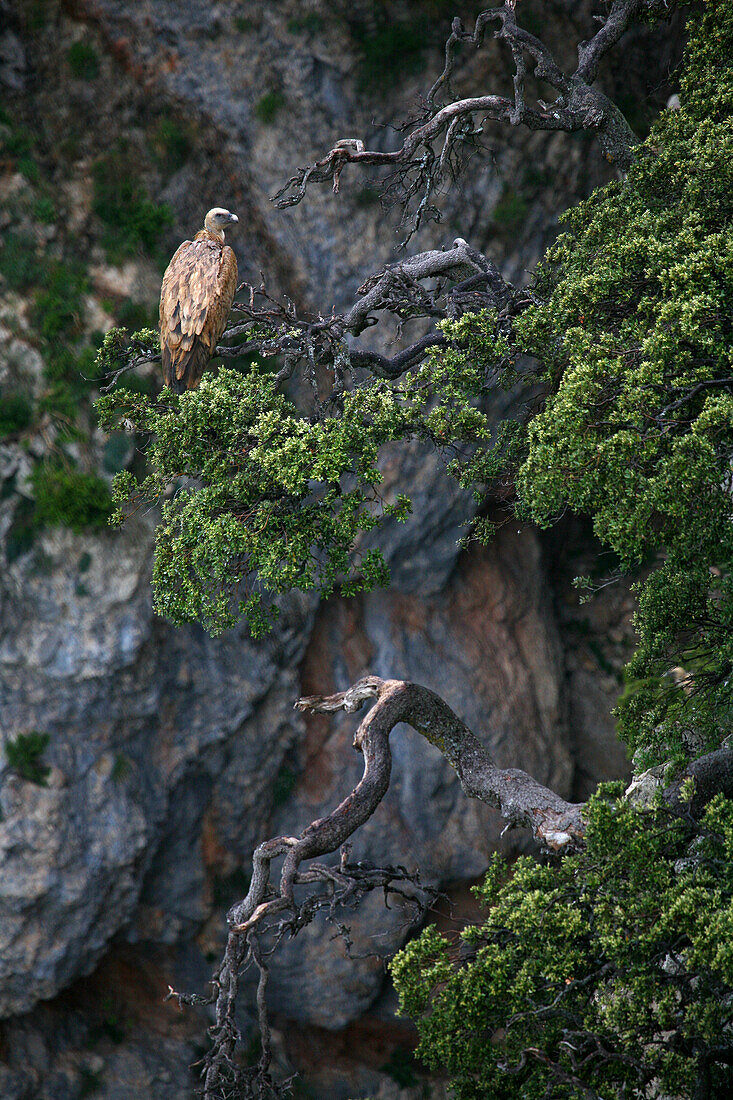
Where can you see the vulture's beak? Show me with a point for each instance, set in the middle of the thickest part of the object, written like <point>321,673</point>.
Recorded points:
<point>233,218</point>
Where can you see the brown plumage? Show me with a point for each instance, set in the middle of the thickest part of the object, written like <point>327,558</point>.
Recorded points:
<point>195,300</point>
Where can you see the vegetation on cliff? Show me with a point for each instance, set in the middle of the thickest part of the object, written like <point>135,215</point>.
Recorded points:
<point>608,970</point>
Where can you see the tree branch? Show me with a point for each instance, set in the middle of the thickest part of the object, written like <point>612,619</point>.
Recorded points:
<point>577,106</point>
<point>521,800</point>
<point>276,911</point>
<point>590,54</point>
<point>275,327</point>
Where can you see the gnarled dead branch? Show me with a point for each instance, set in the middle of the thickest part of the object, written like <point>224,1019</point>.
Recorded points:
<point>426,154</point>
<point>272,911</point>
<point>460,280</point>
<point>276,911</point>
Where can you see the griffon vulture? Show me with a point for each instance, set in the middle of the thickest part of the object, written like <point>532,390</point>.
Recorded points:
<point>195,300</point>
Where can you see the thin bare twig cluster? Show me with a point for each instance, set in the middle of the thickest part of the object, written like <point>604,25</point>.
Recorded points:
<point>430,152</point>
<point>459,279</point>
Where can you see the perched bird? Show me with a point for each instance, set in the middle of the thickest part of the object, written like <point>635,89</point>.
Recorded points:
<point>195,300</point>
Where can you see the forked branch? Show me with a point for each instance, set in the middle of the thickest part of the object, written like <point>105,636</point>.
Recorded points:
<point>435,285</point>
<point>272,911</point>
<point>428,153</point>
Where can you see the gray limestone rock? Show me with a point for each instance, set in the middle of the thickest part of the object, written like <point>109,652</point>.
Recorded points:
<point>137,716</point>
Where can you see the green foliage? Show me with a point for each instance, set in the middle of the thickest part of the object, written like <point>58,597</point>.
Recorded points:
<point>634,338</point>
<point>271,509</point>
<point>121,769</point>
<point>28,167</point>
<point>16,413</point>
<point>44,210</point>
<point>57,318</point>
<point>121,200</point>
<point>607,971</point>
<point>83,61</point>
<point>118,347</point>
<point>19,263</point>
<point>510,212</point>
<point>17,140</point>
<point>170,144</point>
<point>391,45</point>
<point>389,50</point>
<point>310,23</point>
<point>271,500</point>
<point>65,497</point>
<point>22,532</point>
<point>24,754</point>
<point>56,313</point>
<point>269,106</point>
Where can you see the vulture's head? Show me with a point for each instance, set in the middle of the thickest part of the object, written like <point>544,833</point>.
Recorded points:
<point>218,219</point>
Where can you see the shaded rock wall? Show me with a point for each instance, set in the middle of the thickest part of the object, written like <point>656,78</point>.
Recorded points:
<point>172,754</point>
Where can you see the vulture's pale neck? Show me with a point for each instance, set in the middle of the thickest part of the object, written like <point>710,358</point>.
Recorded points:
<point>217,234</point>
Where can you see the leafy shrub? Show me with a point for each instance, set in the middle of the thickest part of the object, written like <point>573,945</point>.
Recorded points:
<point>389,51</point>
<point>510,212</point>
<point>83,61</point>
<point>602,973</point>
<point>18,141</point>
<point>310,23</point>
<point>28,167</point>
<point>634,336</point>
<point>120,199</point>
<point>56,312</point>
<point>269,106</point>
<point>392,46</point>
<point>44,210</point>
<point>170,144</point>
<point>121,769</point>
<point>16,413</point>
<point>24,754</point>
<point>69,498</point>
<point>19,264</point>
<point>22,531</point>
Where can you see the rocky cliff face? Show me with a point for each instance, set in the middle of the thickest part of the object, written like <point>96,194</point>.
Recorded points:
<point>170,754</point>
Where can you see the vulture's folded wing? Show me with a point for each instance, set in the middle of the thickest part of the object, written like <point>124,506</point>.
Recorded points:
<point>191,301</point>
<point>221,303</point>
